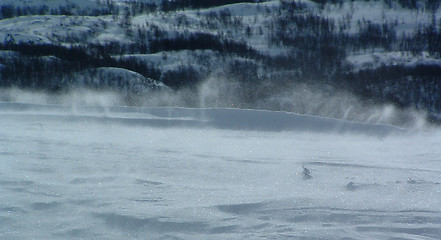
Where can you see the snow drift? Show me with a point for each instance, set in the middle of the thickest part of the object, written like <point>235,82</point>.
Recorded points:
<point>221,118</point>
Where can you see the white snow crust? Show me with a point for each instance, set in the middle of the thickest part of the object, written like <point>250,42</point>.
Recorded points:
<point>75,172</point>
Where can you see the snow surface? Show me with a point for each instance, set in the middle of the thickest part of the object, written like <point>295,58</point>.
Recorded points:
<point>72,172</point>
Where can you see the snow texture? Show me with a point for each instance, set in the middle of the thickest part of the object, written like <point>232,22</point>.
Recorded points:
<point>72,172</point>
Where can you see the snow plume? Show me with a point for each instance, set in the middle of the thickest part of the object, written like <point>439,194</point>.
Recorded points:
<point>326,101</point>
<point>218,92</point>
<point>319,100</point>
<point>24,96</point>
<point>214,92</point>
<point>75,97</point>
<point>85,97</point>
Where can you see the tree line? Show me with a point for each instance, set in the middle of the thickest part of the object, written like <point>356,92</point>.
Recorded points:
<point>10,10</point>
<point>173,5</point>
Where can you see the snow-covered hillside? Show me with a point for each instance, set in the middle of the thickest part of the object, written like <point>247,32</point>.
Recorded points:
<point>111,78</point>
<point>249,22</point>
<point>381,52</point>
<point>51,3</point>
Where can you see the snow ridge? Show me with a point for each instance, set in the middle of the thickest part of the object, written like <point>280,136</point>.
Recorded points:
<point>220,118</point>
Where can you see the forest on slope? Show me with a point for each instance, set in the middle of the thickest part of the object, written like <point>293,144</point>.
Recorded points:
<point>253,53</point>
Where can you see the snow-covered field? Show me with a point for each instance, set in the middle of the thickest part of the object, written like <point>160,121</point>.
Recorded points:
<point>176,173</point>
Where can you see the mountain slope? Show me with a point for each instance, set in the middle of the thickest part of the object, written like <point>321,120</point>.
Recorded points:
<point>383,52</point>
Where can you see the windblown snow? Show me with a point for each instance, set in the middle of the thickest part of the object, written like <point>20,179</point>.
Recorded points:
<point>90,169</point>
<point>179,173</point>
